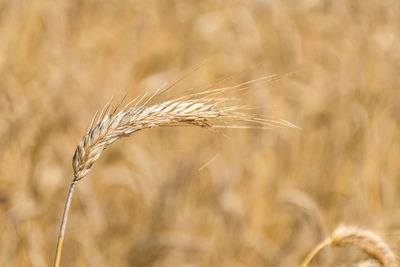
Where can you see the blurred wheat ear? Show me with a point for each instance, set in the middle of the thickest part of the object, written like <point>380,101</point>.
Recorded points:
<point>208,109</point>
<point>367,241</point>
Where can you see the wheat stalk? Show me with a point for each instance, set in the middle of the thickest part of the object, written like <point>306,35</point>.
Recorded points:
<point>205,109</point>
<point>367,241</point>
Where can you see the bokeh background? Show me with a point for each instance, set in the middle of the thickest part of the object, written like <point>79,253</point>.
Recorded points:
<point>190,196</point>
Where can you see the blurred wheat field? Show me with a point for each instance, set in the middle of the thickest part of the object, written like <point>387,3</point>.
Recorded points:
<point>188,196</point>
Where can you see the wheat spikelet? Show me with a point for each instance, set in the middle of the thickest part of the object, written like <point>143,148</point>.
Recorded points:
<point>202,109</point>
<point>367,241</point>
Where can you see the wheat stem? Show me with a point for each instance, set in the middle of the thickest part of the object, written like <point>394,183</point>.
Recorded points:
<point>64,224</point>
<point>315,251</point>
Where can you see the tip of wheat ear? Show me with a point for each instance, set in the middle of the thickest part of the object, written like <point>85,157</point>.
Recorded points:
<point>205,109</point>
<point>368,241</point>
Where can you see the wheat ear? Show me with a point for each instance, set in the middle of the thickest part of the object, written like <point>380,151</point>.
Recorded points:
<point>368,241</point>
<point>204,109</point>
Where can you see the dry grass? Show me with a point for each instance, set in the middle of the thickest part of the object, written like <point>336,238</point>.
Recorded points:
<point>186,196</point>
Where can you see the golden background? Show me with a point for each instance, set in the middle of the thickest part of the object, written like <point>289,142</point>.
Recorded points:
<point>188,196</point>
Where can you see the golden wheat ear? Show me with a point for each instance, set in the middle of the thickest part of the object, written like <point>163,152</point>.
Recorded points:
<point>211,108</point>
<point>368,241</point>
